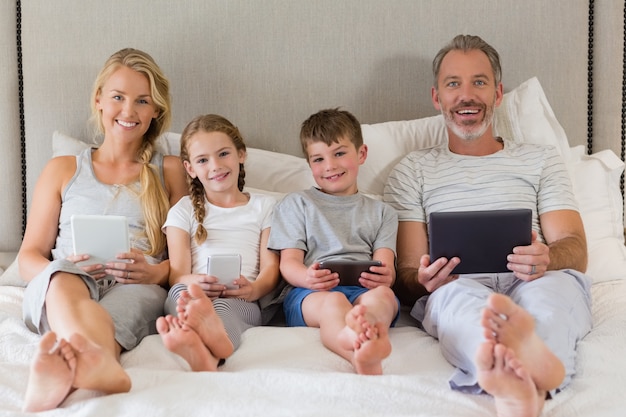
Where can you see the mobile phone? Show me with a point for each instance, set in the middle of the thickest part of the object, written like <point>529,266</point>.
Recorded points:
<point>349,271</point>
<point>225,267</point>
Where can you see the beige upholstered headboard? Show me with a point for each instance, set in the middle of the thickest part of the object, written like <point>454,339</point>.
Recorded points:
<point>268,64</point>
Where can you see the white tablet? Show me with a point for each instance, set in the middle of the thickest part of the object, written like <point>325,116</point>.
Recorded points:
<point>101,237</point>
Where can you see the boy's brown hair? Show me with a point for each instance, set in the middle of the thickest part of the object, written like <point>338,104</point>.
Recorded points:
<point>329,126</point>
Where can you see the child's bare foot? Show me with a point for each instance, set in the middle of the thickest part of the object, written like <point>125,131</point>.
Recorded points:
<point>185,342</point>
<point>97,369</point>
<point>51,374</point>
<point>196,310</point>
<point>507,323</point>
<point>368,340</point>
<point>503,376</point>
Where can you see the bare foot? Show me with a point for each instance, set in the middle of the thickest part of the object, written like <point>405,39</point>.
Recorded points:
<point>503,376</point>
<point>97,369</point>
<point>51,374</point>
<point>196,310</point>
<point>507,323</point>
<point>185,342</point>
<point>368,340</point>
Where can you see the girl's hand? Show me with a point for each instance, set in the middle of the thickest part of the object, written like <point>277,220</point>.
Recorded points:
<point>210,285</point>
<point>320,279</point>
<point>95,270</point>
<point>244,291</point>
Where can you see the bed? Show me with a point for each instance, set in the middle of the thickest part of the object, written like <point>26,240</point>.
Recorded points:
<point>286,371</point>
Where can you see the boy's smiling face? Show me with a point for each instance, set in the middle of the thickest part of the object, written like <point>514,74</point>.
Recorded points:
<point>335,168</point>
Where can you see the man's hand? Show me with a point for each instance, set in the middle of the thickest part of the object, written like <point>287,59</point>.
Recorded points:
<point>437,274</point>
<point>529,262</point>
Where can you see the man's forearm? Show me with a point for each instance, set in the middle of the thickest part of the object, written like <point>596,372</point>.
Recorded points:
<point>568,253</point>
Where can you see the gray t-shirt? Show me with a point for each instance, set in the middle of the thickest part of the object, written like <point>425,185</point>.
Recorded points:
<point>328,227</point>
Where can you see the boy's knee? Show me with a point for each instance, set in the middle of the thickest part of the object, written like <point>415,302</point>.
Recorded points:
<point>381,294</point>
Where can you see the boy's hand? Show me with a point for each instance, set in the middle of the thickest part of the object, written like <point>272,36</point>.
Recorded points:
<point>321,279</point>
<point>378,275</point>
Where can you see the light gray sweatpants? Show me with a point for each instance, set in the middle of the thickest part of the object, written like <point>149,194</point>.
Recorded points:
<point>134,308</point>
<point>237,315</point>
<point>560,303</point>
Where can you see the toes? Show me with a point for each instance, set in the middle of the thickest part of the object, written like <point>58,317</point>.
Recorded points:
<point>161,325</point>
<point>485,356</point>
<point>195,291</point>
<point>500,304</point>
<point>78,342</point>
<point>48,343</point>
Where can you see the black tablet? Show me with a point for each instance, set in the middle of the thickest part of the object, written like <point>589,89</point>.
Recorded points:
<point>349,271</point>
<point>481,239</point>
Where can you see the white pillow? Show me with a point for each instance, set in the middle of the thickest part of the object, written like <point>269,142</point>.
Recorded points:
<point>596,182</point>
<point>273,171</point>
<point>523,116</point>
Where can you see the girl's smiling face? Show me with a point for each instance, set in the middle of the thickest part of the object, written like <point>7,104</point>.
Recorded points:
<point>215,161</point>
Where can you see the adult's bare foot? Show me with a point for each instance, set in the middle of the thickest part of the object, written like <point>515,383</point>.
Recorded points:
<point>196,310</point>
<point>185,342</point>
<point>507,323</point>
<point>503,376</point>
<point>97,369</point>
<point>51,374</point>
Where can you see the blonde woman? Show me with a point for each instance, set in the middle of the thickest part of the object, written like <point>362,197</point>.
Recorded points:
<point>88,315</point>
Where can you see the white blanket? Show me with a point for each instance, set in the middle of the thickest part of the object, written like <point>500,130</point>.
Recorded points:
<point>287,372</point>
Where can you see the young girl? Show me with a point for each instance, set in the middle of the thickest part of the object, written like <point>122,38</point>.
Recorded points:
<point>88,315</point>
<point>216,218</point>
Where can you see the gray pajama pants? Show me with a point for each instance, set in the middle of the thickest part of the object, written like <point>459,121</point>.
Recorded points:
<point>134,308</point>
<point>237,315</point>
<point>560,303</point>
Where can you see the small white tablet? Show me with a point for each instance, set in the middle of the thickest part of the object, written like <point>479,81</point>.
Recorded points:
<point>101,237</point>
<point>225,267</point>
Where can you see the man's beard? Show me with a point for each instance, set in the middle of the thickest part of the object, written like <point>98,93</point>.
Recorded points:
<point>471,130</point>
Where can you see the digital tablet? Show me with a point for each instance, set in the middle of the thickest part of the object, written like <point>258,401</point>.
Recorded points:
<point>102,237</point>
<point>225,267</point>
<point>481,239</point>
<point>349,271</point>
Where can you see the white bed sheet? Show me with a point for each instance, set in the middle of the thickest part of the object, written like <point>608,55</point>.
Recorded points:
<point>287,372</point>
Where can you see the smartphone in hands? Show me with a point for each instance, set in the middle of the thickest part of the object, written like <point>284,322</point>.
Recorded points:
<point>349,271</point>
<point>226,268</point>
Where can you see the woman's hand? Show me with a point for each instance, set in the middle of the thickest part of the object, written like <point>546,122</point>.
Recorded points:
<point>97,271</point>
<point>134,269</point>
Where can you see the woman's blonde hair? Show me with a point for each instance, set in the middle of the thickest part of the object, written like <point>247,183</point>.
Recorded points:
<point>153,197</point>
<point>208,123</point>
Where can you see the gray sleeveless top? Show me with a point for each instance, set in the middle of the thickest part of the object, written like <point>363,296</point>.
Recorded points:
<point>84,194</point>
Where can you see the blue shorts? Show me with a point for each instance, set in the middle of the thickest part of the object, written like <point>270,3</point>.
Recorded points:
<point>292,305</point>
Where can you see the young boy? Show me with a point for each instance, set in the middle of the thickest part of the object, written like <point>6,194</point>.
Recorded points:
<point>335,222</point>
